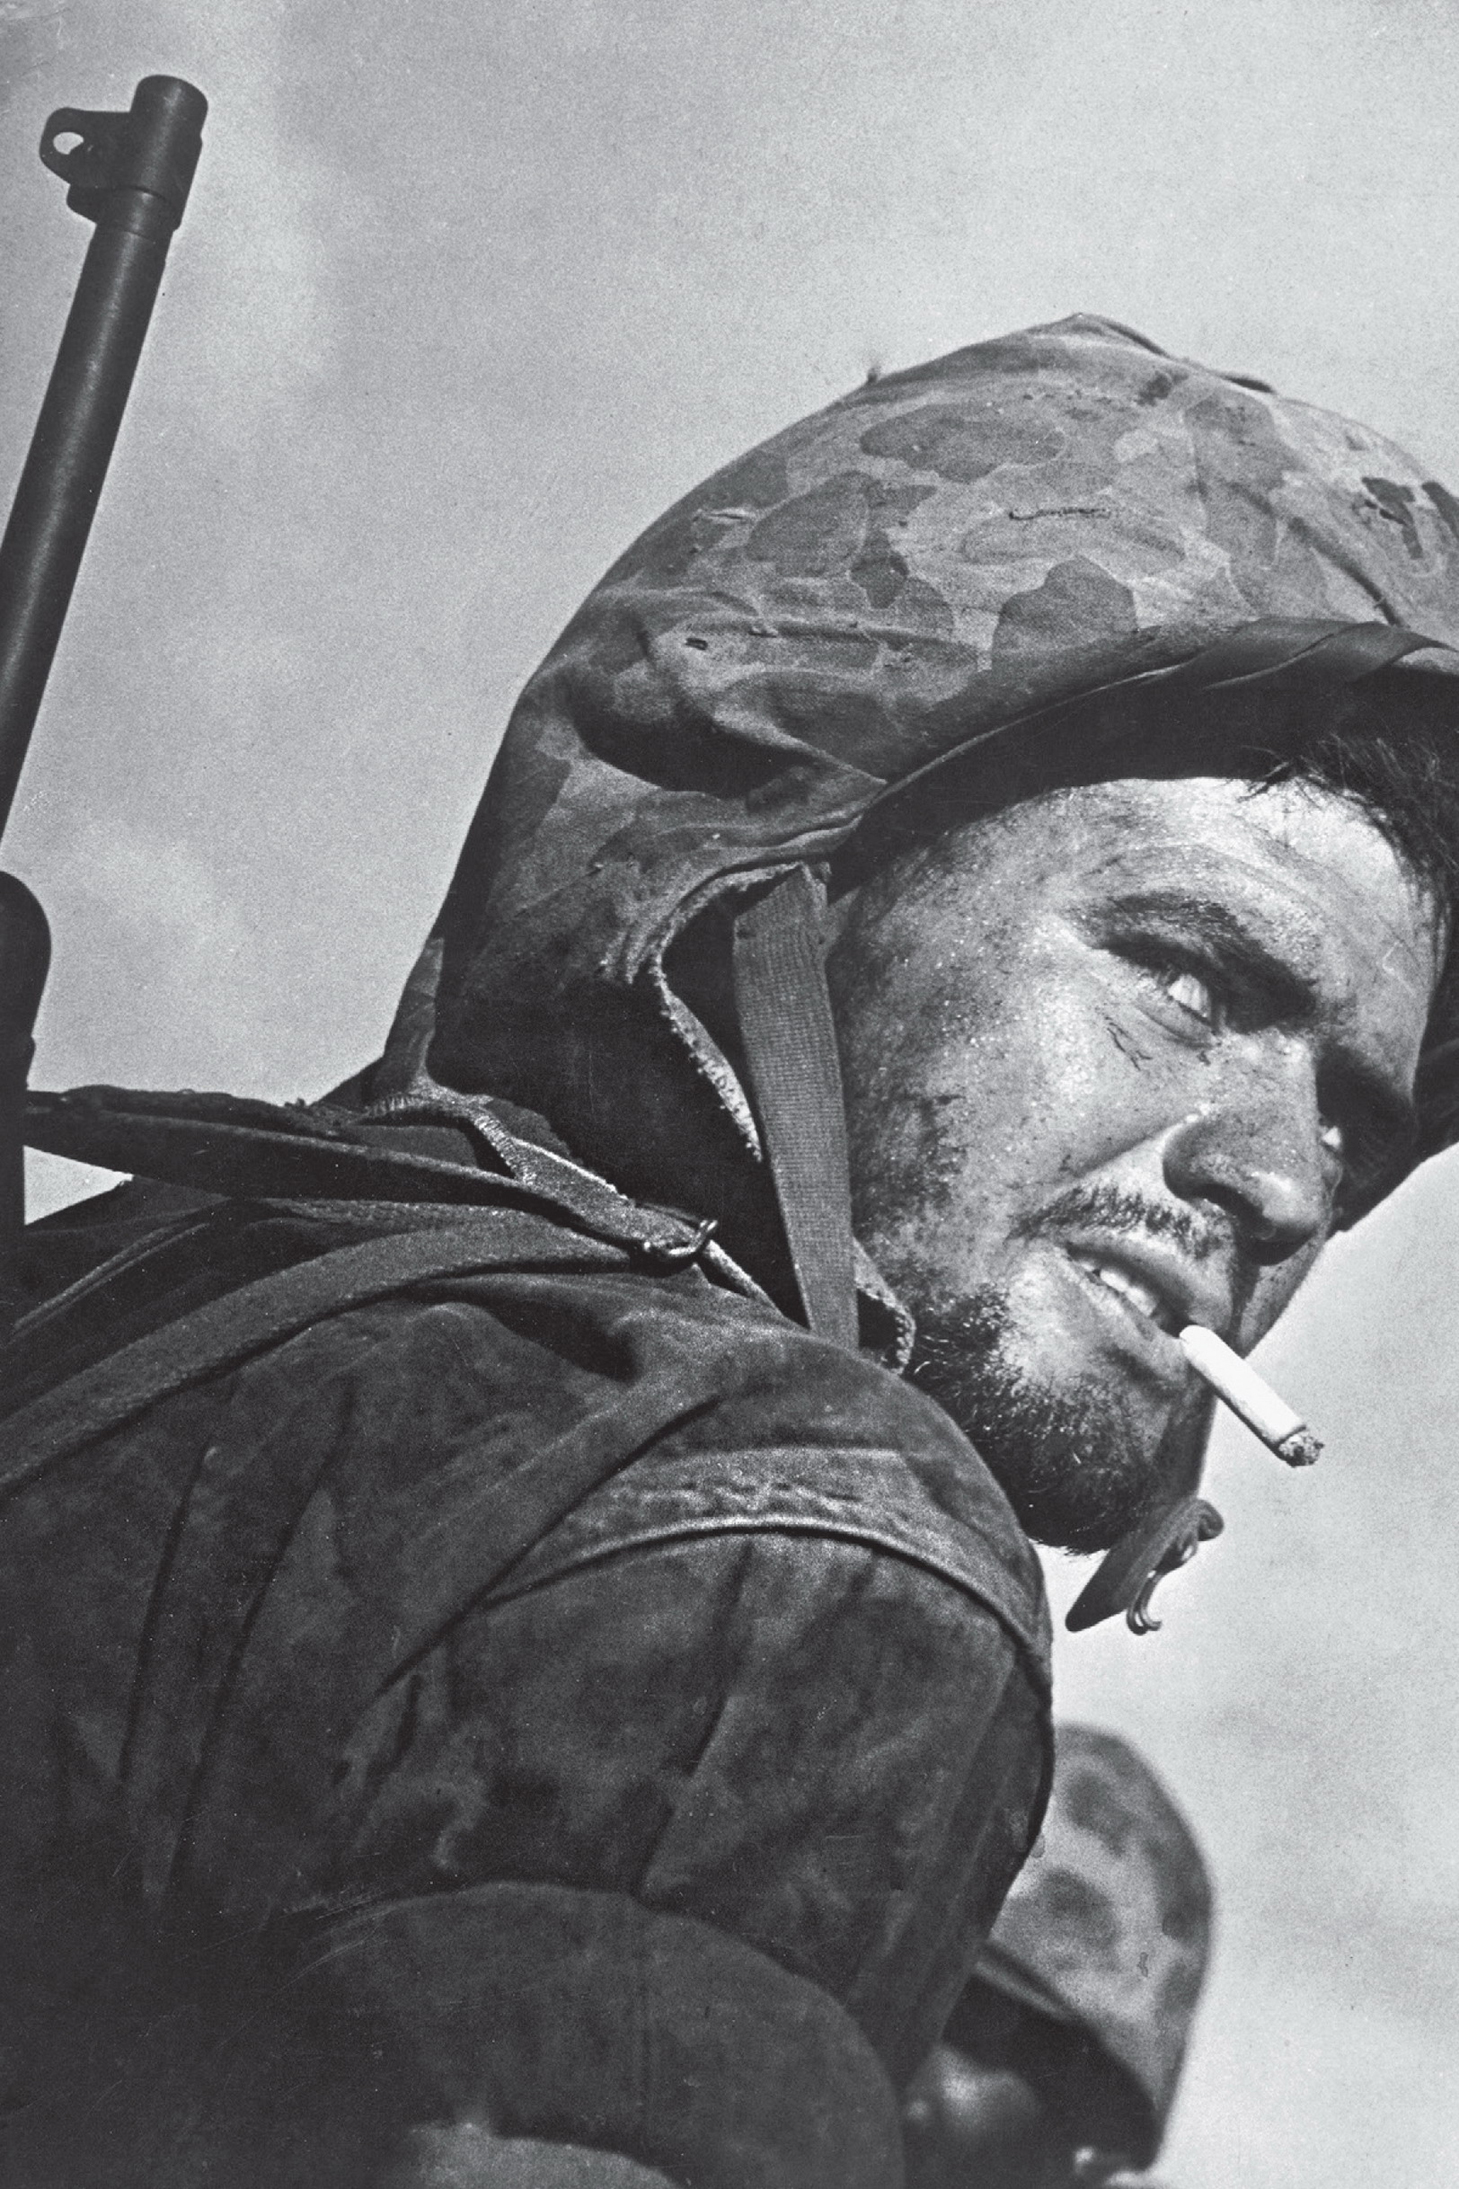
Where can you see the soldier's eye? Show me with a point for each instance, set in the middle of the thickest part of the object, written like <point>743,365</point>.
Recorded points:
<point>1193,994</point>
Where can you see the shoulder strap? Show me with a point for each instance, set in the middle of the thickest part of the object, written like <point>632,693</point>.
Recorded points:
<point>254,1317</point>
<point>789,1035</point>
<point>252,1150</point>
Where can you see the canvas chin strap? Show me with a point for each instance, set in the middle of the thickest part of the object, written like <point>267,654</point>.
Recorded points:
<point>1126,1578</point>
<point>794,1070</point>
<point>1166,1538</point>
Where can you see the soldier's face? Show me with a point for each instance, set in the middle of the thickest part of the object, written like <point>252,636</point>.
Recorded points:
<point>1117,1059</point>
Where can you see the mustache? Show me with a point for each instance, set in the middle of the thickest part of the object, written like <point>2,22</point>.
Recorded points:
<point>1115,1208</point>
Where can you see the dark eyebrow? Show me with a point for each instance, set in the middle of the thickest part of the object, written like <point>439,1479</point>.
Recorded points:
<point>1283,988</point>
<point>1288,992</point>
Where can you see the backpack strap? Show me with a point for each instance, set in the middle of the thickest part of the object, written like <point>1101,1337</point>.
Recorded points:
<point>254,1317</point>
<point>253,1150</point>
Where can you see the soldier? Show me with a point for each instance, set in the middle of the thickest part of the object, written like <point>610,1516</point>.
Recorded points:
<point>525,1636</point>
<point>1059,2063</point>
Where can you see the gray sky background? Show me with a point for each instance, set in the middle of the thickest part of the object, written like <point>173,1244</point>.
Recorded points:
<point>466,294</point>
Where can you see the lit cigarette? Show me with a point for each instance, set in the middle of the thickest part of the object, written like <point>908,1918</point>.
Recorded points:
<point>1255,1402</point>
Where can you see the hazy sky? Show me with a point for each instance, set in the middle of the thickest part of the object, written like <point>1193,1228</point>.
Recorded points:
<point>466,294</point>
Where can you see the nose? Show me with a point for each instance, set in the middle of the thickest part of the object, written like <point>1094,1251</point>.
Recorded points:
<point>1256,1154</point>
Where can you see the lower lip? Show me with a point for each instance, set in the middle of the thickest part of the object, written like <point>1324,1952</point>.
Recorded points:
<point>1131,1320</point>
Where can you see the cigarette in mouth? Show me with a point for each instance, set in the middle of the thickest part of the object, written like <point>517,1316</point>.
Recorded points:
<point>1254,1402</point>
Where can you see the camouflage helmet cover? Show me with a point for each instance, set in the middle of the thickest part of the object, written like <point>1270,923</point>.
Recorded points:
<point>931,562</point>
<point>1107,1928</point>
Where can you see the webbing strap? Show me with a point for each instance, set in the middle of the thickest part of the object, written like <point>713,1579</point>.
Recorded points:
<point>1127,1576</point>
<point>795,1078</point>
<point>231,1329</point>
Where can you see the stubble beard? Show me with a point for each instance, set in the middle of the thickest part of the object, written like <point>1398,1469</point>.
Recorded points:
<point>1071,1461</point>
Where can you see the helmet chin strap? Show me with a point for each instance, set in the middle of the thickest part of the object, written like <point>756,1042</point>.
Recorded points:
<point>1126,1577</point>
<point>1168,1538</point>
<point>794,1070</point>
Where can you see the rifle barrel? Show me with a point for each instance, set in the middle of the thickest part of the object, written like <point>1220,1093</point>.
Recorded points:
<point>130,174</point>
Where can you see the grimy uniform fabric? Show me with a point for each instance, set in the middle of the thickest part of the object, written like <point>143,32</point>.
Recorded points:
<point>676,1836</point>
<point>348,1786</point>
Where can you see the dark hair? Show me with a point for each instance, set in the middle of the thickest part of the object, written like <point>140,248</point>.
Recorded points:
<point>1393,751</point>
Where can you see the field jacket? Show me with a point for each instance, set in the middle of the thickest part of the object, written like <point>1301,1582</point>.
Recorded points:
<point>472,1658</point>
